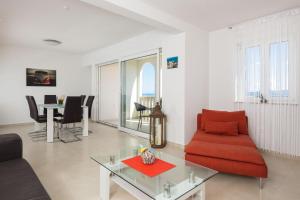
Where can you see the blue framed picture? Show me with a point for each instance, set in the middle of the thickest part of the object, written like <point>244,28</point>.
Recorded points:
<point>172,62</point>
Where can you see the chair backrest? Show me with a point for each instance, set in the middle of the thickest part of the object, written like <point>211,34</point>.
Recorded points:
<point>139,107</point>
<point>89,104</point>
<point>34,114</point>
<point>50,99</point>
<point>73,110</point>
<point>82,99</point>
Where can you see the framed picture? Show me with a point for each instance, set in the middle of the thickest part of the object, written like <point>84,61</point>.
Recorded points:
<point>172,62</point>
<point>40,77</point>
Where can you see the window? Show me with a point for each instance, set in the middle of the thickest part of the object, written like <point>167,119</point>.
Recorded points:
<point>272,78</point>
<point>279,71</point>
<point>253,70</point>
<point>148,80</point>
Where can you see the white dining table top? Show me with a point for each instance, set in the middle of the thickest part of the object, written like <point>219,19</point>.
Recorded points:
<point>53,106</point>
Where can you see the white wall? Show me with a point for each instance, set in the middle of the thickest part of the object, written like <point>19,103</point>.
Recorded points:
<point>221,70</point>
<point>273,127</point>
<point>132,46</point>
<point>192,46</point>
<point>185,89</point>
<point>72,79</point>
<point>173,79</point>
<point>173,88</point>
<point>196,79</point>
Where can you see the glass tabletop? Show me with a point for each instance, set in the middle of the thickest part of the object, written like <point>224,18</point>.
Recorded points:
<point>52,106</point>
<point>174,183</point>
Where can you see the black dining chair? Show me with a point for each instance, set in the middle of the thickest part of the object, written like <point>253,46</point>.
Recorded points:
<point>51,99</point>
<point>82,99</point>
<point>34,114</point>
<point>140,108</point>
<point>72,114</point>
<point>89,104</point>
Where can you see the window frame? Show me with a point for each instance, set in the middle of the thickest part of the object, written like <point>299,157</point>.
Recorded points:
<point>253,94</point>
<point>265,75</point>
<point>275,94</point>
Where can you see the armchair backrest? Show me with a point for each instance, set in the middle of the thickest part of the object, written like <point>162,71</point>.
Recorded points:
<point>199,121</point>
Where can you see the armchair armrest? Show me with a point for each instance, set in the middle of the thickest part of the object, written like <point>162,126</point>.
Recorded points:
<point>11,147</point>
<point>199,121</point>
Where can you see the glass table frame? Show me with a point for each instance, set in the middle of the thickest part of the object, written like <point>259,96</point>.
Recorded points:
<point>183,181</point>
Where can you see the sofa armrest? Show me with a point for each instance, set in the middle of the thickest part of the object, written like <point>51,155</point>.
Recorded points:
<point>11,147</point>
<point>199,121</point>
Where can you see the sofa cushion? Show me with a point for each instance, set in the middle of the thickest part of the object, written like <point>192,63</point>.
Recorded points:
<point>10,147</point>
<point>225,116</point>
<point>18,181</point>
<point>225,151</point>
<point>229,166</point>
<point>243,140</point>
<point>222,128</point>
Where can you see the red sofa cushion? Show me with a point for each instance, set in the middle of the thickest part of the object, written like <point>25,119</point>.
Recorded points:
<point>225,151</point>
<point>243,140</point>
<point>225,116</point>
<point>229,166</point>
<point>222,128</point>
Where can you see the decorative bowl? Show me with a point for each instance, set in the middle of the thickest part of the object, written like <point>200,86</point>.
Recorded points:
<point>148,157</point>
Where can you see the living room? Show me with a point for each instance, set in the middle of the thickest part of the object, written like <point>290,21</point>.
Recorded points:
<point>217,82</point>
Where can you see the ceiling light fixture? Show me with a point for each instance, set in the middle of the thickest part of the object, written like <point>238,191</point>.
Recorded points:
<point>52,42</point>
<point>66,7</point>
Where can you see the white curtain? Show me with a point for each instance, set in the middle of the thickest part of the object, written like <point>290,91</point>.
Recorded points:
<point>267,80</point>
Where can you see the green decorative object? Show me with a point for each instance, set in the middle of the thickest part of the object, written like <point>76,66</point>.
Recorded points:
<point>61,100</point>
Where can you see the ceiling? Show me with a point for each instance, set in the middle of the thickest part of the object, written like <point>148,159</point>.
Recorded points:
<point>79,26</point>
<point>215,14</point>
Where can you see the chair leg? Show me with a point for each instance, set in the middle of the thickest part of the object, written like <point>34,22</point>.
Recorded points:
<point>59,130</point>
<point>140,120</point>
<point>261,183</point>
<point>35,134</point>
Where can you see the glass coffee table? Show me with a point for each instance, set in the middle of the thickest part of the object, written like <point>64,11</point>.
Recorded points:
<point>186,179</point>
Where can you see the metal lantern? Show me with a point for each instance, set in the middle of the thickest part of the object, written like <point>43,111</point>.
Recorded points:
<point>157,128</point>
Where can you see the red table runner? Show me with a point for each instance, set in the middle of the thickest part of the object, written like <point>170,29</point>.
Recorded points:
<point>158,167</point>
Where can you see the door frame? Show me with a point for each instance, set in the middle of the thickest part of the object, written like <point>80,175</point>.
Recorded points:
<point>158,81</point>
<point>98,67</point>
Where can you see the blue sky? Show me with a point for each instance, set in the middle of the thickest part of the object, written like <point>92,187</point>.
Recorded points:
<point>148,77</point>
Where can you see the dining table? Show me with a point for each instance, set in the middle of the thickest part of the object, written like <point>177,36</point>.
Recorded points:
<point>50,122</point>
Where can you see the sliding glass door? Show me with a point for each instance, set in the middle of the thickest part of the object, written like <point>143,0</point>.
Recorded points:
<point>140,80</point>
<point>108,94</point>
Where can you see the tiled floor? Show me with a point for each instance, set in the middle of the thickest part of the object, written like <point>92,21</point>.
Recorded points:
<point>68,173</point>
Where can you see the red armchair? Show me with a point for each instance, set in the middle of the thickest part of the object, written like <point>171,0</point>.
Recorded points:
<point>226,153</point>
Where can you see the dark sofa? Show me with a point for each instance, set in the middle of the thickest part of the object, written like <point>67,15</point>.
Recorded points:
<point>17,179</point>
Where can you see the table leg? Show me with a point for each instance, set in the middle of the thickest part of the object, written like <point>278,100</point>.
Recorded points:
<point>85,131</point>
<point>104,183</point>
<point>49,125</point>
<point>201,194</point>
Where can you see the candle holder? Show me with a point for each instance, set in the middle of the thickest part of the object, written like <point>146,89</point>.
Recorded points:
<point>157,128</point>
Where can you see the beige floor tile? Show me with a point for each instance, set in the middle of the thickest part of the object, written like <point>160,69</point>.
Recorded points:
<point>67,172</point>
